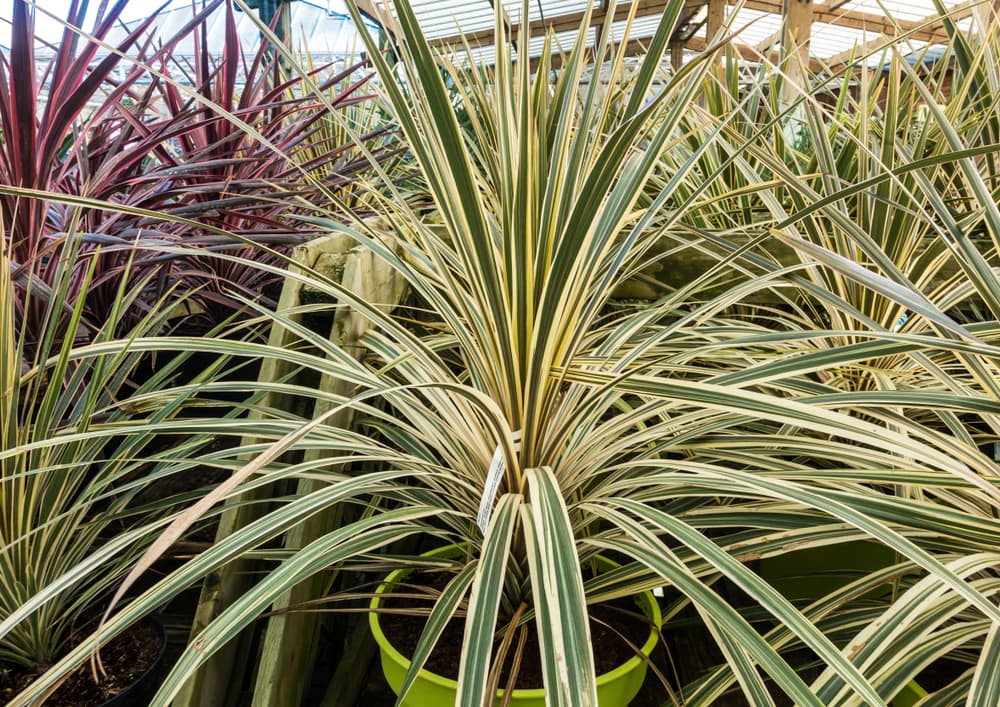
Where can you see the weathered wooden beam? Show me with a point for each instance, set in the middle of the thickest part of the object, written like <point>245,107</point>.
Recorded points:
<point>769,42</point>
<point>219,681</point>
<point>747,52</point>
<point>676,53</point>
<point>716,18</point>
<point>380,13</point>
<point>796,28</point>
<point>637,47</point>
<point>572,21</point>
<point>288,654</point>
<point>855,19</point>
<point>599,29</point>
<point>831,13</point>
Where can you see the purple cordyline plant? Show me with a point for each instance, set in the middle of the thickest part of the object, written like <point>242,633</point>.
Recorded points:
<point>143,146</point>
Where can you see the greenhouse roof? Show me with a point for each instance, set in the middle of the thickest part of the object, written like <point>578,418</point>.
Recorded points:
<point>324,27</point>
<point>837,30</point>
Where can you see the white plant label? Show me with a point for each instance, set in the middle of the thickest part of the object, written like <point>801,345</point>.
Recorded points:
<point>493,476</point>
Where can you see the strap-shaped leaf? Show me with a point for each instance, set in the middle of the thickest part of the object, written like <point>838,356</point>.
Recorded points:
<point>986,682</point>
<point>742,664</point>
<point>780,608</point>
<point>443,612</point>
<point>484,603</point>
<point>347,541</point>
<point>560,603</point>
<point>658,558</point>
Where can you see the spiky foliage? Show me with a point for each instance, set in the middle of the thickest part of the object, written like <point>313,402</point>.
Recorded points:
<point>79,441</point>
<point>141,128</point>
<point>684,437</point>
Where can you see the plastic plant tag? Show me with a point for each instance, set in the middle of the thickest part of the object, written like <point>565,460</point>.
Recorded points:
<point>493,476</point>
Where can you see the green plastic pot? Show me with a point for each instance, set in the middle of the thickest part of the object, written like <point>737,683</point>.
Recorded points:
<point>615,688</point>
<point>806,575</point>
<point>815,572</point>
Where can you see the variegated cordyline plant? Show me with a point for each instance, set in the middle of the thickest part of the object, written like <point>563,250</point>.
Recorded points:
<point>687,437</point>
<point>75,456</point>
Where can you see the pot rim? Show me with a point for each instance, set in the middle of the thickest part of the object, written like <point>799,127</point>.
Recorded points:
<point>631,664</point>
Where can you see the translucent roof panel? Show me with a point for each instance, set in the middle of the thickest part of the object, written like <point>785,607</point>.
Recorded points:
<point>323,26</point>
<point>546,10</point>
<point>753,27</point>
<point>447,19</point>
<point>839,25</point>
<point>909,10</point>
<point>642,27</point>
<point>320,28</point>
<point>828,40</point>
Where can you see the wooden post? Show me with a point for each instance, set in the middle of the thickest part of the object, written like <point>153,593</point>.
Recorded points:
<point>676,53</point>
<point>220,681</point>
<point>599,28</point>
<point>796,26</point>
<point>713,25</point>
<point>288,653</point>
<point>716,18</point>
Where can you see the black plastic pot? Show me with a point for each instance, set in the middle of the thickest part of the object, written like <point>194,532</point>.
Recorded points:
<point>140,693</point>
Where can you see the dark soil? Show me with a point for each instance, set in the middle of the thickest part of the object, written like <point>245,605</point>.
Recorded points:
<point>125,658</point>
<point>613,627</point>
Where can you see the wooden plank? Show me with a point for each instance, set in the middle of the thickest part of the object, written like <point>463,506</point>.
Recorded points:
<point>716,18</point>
<point>219,681</point>
<point>289,647</point>
<point>599,29</point>
<point>796,27</point>
<point>832,13</point>
<point>637,47</point>
<point>377,11</point>
<point>572,21</point>
<point>676,54</point>
<point>744,51</point>
<point>856,19</point>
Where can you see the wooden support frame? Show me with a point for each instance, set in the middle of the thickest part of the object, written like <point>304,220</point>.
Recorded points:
<point>832,13</point>
<point>288,647</point>
<point>959,12</point>
<point>571,21</point>
<point>288,651</point>
<point>220,680</point>
<point>716,18</point>
<point>796,28</point>
<point>380,13</point>
<point>676,53</point>
<point>929,29</point>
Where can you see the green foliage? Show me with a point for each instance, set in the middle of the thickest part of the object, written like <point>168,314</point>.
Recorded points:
<point>79,441</point>
<point>207,138</point>
<point>776,401</point>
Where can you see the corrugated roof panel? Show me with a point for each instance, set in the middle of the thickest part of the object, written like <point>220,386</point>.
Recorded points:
<point>445,19</point>
<point>642,28</point>
<point>561,41</point>
<point>325,31</point>
<point>827,40</point>
<point>911,10</point>
<point>753,27</point>
<point>537,9</point>
<point>314,27</point>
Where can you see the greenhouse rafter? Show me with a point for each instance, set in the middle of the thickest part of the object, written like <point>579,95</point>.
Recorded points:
<point>828,34</point>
